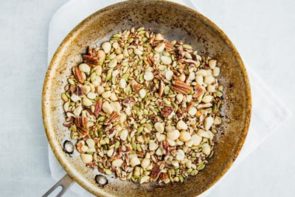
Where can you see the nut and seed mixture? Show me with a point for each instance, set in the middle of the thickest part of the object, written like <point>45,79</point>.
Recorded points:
<point>144,108</point>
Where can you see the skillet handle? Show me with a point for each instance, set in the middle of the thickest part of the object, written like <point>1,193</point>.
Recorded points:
<point>64,183</point>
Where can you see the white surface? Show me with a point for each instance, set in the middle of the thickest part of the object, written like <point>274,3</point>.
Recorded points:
<point>266,108</point>
<point>263,32</point>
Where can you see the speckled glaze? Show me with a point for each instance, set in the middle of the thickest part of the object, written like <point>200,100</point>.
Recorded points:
<point>175,22</point>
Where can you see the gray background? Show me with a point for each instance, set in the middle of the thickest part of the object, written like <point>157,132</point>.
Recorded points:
<point>268,26</point>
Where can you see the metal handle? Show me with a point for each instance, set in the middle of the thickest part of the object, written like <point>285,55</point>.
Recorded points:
<point>64,183</point>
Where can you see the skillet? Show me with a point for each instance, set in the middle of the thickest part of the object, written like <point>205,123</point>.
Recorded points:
<point>174,21</point>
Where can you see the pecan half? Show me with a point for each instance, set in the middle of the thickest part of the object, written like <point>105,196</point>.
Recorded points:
<point>155,172</point>
<point>128,101</point>
<point>199,91</point>
<point>91,57</point>
<point>169,47</point>
<point>78,75</point>
<point>78,121</point>
<point>98,107</point>
<point>166,111</point>
<point>135,86</point>
<point>83,132</point>
<point>181,87</point>
<point>84,122</point>
<point>113,117</point>
<point>166,146</point>
<point>78,91</point>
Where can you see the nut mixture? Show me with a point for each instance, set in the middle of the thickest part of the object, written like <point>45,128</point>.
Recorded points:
<point>144,108</point>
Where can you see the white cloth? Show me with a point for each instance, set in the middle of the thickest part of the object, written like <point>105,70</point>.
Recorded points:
<point>268,112</point>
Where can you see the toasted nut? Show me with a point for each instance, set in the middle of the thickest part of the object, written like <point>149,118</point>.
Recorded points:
<point>86,102</point>
<point>159,151</point>
<point>181,87</point>
<point>90,142</point>
<point>217,121</point>
<point>144,179</point>
<point>113,97</point>
<point>142,93</point>
<point>138,52</point>
<point>160,127</point>
<point>95,79</point>
<point>110,152</point>
<point>64,97</point>
<point>189,98</point>
<point>173,134</point>
<point>106,47</point>
<point>192,111</point>
<point>97,70</point>
<point>168,75</point>
<point>124,134</point>
<point>117,163</point>
<point>116,106</point>
<point>199,79</point>
<point>206,149</point>
<point>152,145</point>
<point>100,90</point>
<point>80,76</point>
<point>206,134</point>
<point>171,142</point>
<point>84,68</point>
<point>207,99</point>
<point>86,158</point>
<point>180,155</point>
<point>107,94</point>
<point>166,60</point>
<point>184,136</point>
<point>160,137</point>
<point>91,95</point>
<point>202,72</point>
<point>182,77</point>
<point>159,37</point>
<point>134,161</point>
<point>160,48</point>
<point>208,123</point>
<point>211,88</point>
<point>196,139</point>
<point>78,110</point>
<point>191,76</point>
<point>145,163</point>
<point>123,83</point>
<point>123,117</point>
<point>179,97</point>
<point>75,98</point>
<point>148,76</point>
<point>175,164</point>
<point>209,80</point>
<point>107,108</point>
<point>181,125</point>
<point>113,63</point>
<point>84,148</point>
